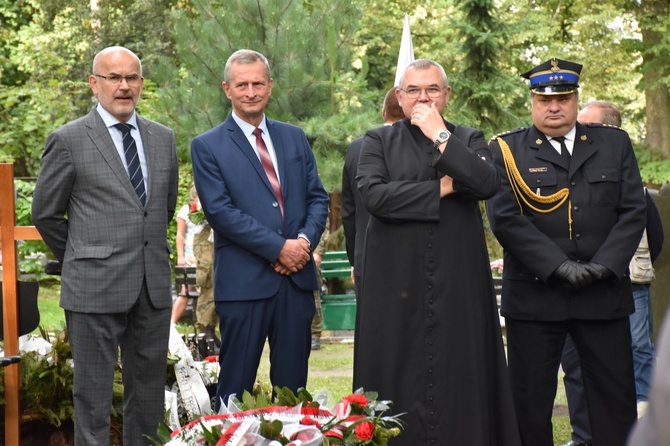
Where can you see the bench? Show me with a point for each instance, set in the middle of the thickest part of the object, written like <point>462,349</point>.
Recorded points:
<point>339,310</point>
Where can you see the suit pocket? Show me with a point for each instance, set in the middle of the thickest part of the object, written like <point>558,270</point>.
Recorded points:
<point>93,252</point>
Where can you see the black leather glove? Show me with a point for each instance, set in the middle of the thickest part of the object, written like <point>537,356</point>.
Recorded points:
<point>598,271</point>
<point>574,273</point>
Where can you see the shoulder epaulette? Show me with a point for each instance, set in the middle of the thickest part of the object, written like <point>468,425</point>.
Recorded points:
<point>596,125</point>
<point>509,132</point>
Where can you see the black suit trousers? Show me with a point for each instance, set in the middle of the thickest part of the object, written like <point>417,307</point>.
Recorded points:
<point>604,348</point>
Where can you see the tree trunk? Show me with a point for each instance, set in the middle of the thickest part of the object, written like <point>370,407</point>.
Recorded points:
<point>656,69</point>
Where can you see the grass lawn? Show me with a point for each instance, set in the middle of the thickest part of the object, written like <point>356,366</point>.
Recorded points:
<point>330,369</point>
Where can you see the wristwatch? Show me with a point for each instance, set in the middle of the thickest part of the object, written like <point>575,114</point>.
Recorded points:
<point>304,237</point>
<point>442,136</point>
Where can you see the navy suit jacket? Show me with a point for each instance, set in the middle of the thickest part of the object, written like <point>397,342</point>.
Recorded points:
<point>241,207</point>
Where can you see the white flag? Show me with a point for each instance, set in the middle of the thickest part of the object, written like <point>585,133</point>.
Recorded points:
<point>406,54</point>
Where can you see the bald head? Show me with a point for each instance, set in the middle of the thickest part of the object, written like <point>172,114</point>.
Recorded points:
<point>109,51</point>
<point>600,112</point>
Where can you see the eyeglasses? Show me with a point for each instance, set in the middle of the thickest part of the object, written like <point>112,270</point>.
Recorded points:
<point>133,80</point>
<point>431,92</point>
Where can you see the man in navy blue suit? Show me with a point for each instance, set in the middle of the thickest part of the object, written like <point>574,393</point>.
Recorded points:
<point>261,193</point>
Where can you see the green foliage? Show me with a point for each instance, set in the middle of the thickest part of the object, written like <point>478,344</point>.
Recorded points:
<point>46,383</point>
<point>31,253</point>
<point>655,170</point>
<point>308,45</point>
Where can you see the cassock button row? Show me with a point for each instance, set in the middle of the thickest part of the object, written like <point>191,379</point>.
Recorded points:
<point>430,245</point>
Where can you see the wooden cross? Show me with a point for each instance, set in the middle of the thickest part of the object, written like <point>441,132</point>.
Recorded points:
<point>9,234</point>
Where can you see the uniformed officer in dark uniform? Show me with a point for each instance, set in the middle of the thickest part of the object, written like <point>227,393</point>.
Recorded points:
<point>569,214</point>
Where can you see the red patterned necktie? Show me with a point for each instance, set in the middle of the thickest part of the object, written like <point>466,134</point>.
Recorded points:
<point>269,168</point>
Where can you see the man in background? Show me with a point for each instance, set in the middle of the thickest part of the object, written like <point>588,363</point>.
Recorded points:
<point>317,322</point>
<point>105,194</point>
<point>641,321</point>
<point>260,190</point>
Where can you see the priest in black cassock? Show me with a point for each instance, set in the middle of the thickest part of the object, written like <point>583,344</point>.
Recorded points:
<point>430,338</point>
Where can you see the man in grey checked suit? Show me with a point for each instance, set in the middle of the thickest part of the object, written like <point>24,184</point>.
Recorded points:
<point>108,228</point>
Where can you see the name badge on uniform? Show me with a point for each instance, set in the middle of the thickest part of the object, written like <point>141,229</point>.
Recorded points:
<point>537,169</point>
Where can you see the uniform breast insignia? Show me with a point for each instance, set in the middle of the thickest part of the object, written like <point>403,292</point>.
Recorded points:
<point>538,141</point>
<point>537,169</point>
<point>583,137</point>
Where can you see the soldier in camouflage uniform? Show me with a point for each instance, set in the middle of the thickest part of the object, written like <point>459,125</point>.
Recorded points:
<point>205,313</point>
<point>317,322</point>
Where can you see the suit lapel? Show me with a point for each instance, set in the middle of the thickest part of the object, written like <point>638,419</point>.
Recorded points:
<point>280,153</point>
<point>99,135</point>
<point>583,148</point>
<point>545,151</point>
<point>241,141</point>
<point>149,145</point>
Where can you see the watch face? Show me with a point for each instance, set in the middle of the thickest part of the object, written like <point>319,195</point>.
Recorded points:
<point>443,136</point>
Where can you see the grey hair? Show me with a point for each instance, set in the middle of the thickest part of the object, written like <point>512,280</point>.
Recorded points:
<point>424,64</point>
<point>609,113</point>
<point>245,57</point>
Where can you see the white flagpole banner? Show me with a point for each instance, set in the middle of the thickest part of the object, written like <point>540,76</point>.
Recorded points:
<point>406,54</point>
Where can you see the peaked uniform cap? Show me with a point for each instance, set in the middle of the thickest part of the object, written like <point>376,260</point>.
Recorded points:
<point>554,76</point>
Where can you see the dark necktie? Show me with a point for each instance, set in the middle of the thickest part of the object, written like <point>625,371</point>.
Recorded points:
<point>564,150</point>
<point>266,161</point>
<point>133,160</point>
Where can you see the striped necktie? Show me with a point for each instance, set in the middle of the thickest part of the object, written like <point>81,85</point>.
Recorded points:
<point>269,168</point>
<point>133,160</point>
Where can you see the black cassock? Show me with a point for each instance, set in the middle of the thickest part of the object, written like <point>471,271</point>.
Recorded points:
<point>430,336</point>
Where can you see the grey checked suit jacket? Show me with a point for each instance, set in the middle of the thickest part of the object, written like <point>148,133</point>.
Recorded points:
<point>87,212</point>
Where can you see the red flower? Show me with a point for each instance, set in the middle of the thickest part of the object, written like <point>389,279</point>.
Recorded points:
<point>364,430</point>
<point>307,421</point>
<point>356,398</point>
<point>194,205</point>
